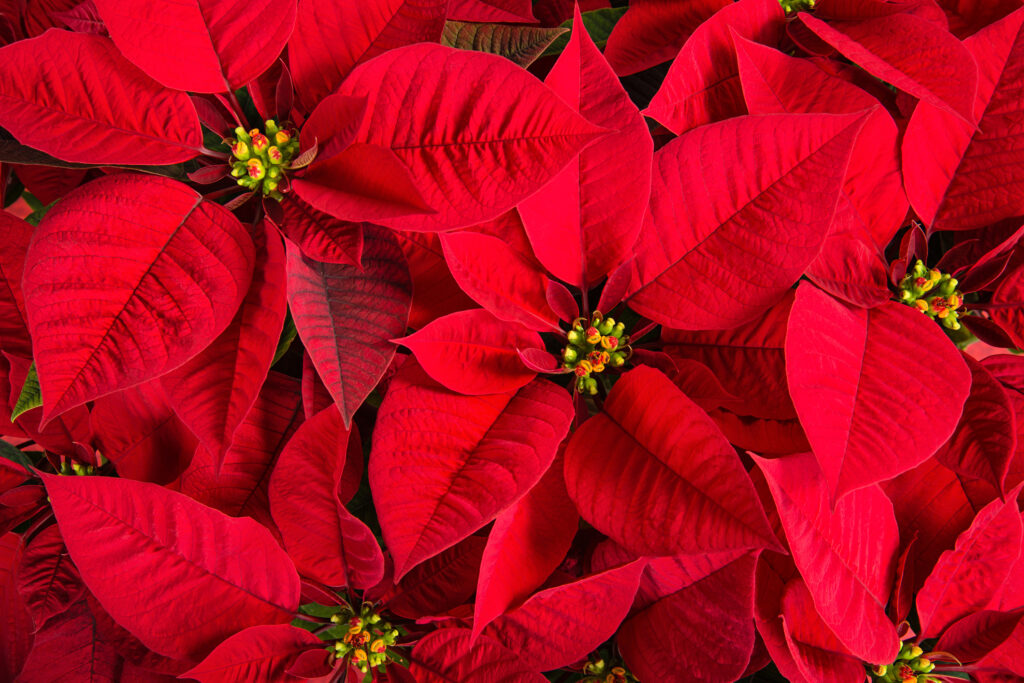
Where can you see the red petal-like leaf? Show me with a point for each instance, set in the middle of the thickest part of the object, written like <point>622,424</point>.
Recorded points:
<point>321,237</point>
<point>259,653</point>
<point>213,392</point>
<point>15,619</point>
<point>199,46</point>
<point>654,473</point>
<point>451,655</point>
<point>964,177</point>
<point>70,648</point>
<point>346,316</point>
<point>127,278</point>
<point>967,577</point>
<point>652,31</point>
<point>560,625</point>
<point>846,556</point>
<point>977,634</point>
<point>47,580</point>
<point>206,575</point>
<point>488,11</point>
<point>472,352</point>
<point>703,84</point>
<point>816,650</point>
<point>527,543</point>
<point>443,582</point>
<point>473,151</point>
<point>871,404</point>
<point>585,221</point>
<point>323,538</point>
<point>435,292</point>
<point>443,465</point>
<point>727,237</point>
<point>74,96</point>
<point>13,248</point>
<point>331,38</point>
<point>912,54</point>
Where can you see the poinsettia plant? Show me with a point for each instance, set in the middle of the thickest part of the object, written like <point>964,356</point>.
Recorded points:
<point>436,341</point>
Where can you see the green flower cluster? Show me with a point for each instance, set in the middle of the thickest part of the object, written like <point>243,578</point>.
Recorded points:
<point>260,159</point>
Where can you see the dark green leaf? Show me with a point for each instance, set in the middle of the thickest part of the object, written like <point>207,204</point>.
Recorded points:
<point>30,396</point>
<point>16,456</point>
<point>599,24</point>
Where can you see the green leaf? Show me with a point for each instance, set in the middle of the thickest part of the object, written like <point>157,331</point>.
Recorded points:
<point>17,457</point>
<point>30,396</point>
<point>287,337</point>
<point>599,24</point>
<point>315,609</point>
<point>521,44</point>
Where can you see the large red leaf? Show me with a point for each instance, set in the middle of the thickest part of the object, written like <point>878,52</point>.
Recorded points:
<point>586,219</point>
<point>967,577</point>
<point>911,53</point>
<point>473,151</point>
<point>346,316</point>
<point>699,625</point>
<point>985,440</point>
<point>326,541</point>
<point>259,653</point>
<point>444,465</point>
<point>127,278</point>
<point>13,248</point>
<point>526,544</point>
<point>200,46</point>
<point>487,11</point>
<point>46,578</point>
<point>15,619</point>
<point>963,176</point>
<point>137,430</point>
<point>652,31</point>
<point>320,236</point>
<point>816,650</point>
<point>472,352</point>
<point>442,583</point>
<point>435,292</point>
<point>70,648</point>
<point>74,96</point>
<point>562,624</point>
<point>656,475</point>
<point>331,38</point>
<point>846,555</point>
<point>205,576</point>
<point>451,655</point>
<point>703,84</point>
<point>738,211</point>
<point>239,488</point>
<point>213,391</point>
<point>871,404</point>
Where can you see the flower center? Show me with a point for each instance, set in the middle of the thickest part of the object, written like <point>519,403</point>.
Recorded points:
<point>598,671</point>
<point>933,293</point>
<point>797,5</point>
<point>367,640</point>
<point>261,158</point>
<point>912,665</point>
<point>594,346</point>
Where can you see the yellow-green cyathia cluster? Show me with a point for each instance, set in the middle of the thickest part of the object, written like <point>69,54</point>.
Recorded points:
<point>594,346</point>
<point>261,158</point>
<point>933,293</point>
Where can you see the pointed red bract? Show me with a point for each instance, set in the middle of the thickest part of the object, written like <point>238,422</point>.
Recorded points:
<point>472,352</point>
<point>958,176</point>
<point>69,648</point>
<point>451,654</point>
<point>326,542</point>
<point>320,236</point>
<point>967,577</point>
<point>206,575</point>
<point>13,322</point>
<point>871,404</point>
<point>560,625</point>
<point>15,619</point>
<point>199,46</point>
<point>346,316</point>
<point>74,96</point>
<point>738,211</point>
<point>845,556</point>
<point>213,392</point>
<point>46,577</point>
<point>444,465</point>
<point>331,38</point>
<point>473,151</point>
<point>487,11</point>
<point>703,86</point>
<point>586,219</point>
<point>656,475</point>
<point>259,653</point>
<point>815,649</point>
<point>442,583</point>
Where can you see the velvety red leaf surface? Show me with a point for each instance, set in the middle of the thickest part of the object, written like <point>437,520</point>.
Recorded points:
<point>258,653</point>
<point>15,619</point>
<point>73,95</point>
<point>346,316</point>
<point>845,554</point>
<point>452,655</point>
<point>199,46</point>
<point>817,652</point>
<point>13,323</point>
<point>472,352</point>
<point>439,584</point>
<point>477,153</point>
<point>872,406</point>
<point>491,11</point>
<point>158,291</point>
<point>443,465</point>
<point>69,648</point>
<point>654,473</point>
<point>208,575</point>
<point>46,578</point>
<point>321,237</point>
<point>724,239</point>
<point>585,220</point>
